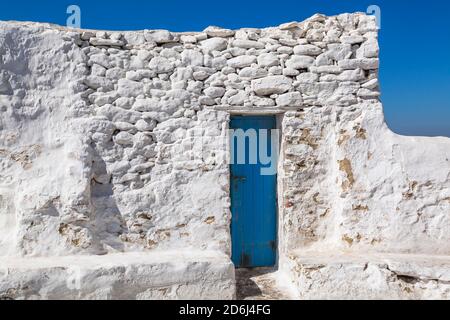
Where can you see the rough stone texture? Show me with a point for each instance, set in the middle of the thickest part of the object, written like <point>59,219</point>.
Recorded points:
<point>362,187</point>
<point>116,142</point>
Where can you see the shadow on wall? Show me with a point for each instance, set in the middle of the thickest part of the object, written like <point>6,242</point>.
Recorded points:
<point>108,222</point>
<point>8,222</point>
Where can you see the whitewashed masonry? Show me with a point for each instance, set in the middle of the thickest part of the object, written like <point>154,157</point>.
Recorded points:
<point>104,194</point>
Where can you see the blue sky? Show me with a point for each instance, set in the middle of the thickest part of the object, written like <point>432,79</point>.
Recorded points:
<point>414,40</point>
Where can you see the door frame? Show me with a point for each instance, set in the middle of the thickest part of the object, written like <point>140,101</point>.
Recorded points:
<point>278,194</point>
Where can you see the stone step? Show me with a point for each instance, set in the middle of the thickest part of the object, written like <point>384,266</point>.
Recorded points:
<point>263,284</point>
<point>124,276</point>
<point>344,276</point>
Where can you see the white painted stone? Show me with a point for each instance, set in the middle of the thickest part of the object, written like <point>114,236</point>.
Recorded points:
<point>124,126</point>
<point>98,70</point>
<point>86,35</point>
<point>308,77</point>
<point>371,84</point>
<point>170,54</point>
<point>290,72</point>
<point>105,42</point>
<point>144,55</point>
<point>128,88</point>
<point>115,73</point>
<point>252,73</point>
<point>241,61</point>
<point>268,60</point>
<point>270,85</point>
<point>288,42</point>
<point>100,59</point>
<point>238,99</point>
<point>96,82</point>
<point>101,34</point>
<point>307,50</point>
<point>102,99</point>
<point>188,39</point>
<point>326,69</point>
<point>355,39</point>
<point>124,138</point>
<point>192,58</point>
<point>214,44</point>
<point>323,60</point>
<point>339,51</point>
<point>351,75</point>
<point>134,38</point>
<point>215,92</point>
<point>159,36</point>
<point>365,64</point>
<point>161,65</point>
<point>285,50</point>
<point>289,25</point>
<point>248,44</point>
<point>300,62</point>
<point>368,49</point>
<point>368,94</point>
<point>275,70</point>
<point>213,31</point>
<point>124,102</point>
<point>291,99</point>
<point>219,62</point>
<point>143,125</point>
<point>117,114</point>
<point>262,102</point>
<point>201,75</point>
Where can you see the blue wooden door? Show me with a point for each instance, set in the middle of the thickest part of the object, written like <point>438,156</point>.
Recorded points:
<point>253,196</point>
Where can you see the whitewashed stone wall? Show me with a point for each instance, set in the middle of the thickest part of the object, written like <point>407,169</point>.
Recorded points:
<point>116,142</point>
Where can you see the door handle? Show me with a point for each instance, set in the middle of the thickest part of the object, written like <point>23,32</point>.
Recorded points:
<point>238,178</point>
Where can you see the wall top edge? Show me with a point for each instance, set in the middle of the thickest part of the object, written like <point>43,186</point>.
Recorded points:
<point>317,18</point>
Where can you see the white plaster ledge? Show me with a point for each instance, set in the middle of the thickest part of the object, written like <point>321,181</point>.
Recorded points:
<point>143,275</point>
<point>339,275</point>
<point>253,111</point>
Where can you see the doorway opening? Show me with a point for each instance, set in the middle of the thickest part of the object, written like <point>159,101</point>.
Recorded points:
<point>254,162</point>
